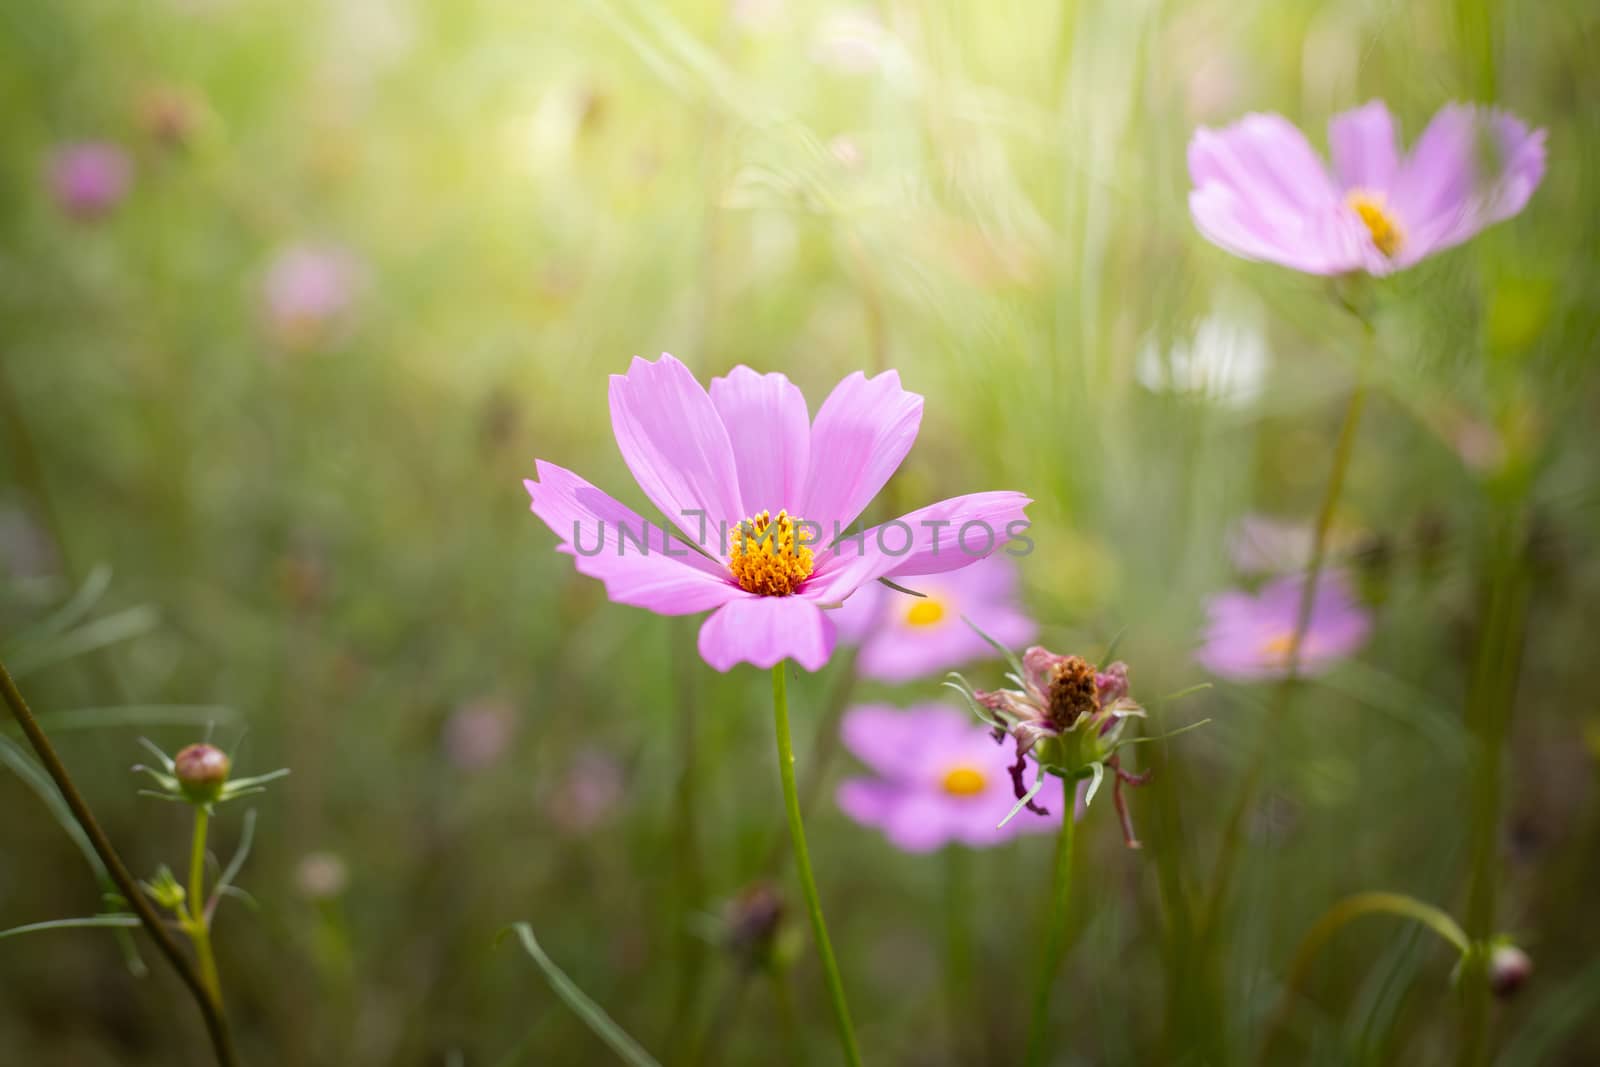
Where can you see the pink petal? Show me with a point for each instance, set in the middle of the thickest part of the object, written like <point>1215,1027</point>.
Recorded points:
<point>766,630</point>
<point>1365,152</point>
<point>861,434</point>
<point>896,744</point>
<point>941,537</point>
<point>770,428</point>
<point>1268,162</point>
<point>677,448</point>
<point>1471,168</point>
<point>604,538</point>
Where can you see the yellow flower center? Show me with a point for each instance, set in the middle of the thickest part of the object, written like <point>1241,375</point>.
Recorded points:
<point>1386,237</point>
<point>924,612</point>
<point>964,782</point>
<point>768,556</point>
<point>1277,647</point>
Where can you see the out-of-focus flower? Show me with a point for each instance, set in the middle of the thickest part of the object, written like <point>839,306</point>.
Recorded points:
<point>750,479</point>
<point>904,637</point>
<point>307,290</point>
<point>1249,636</point>
<point>477,734</point>
<point>26,550</point>
<point>851,41</point>
<point>88,179</point>
<point>846,151</point>
<point>588,794</point>
<point>940,779</point>
<point>321,875</point>
<point>1069,717</point>
<point>1225,361</point>
<point>169,115</point>
<point>1262,192</point>
<point>757,15</point>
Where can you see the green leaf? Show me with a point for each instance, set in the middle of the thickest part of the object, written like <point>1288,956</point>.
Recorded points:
<point>593,1016</point>
<point>1009,656</point>
<point>125,921</point>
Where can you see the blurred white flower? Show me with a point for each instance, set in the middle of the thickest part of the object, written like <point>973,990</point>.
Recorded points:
<point>1224,360</point>
<point>321,875</point>
<point>757,15</point>
<point>855,41</point>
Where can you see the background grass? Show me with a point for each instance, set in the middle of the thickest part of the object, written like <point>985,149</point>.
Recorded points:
<point>330,544</point>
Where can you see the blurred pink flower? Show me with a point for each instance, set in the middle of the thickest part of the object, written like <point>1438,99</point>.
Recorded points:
<point>904,637</point>
<point>89,178</point>
<point>1262,192</point>
<point>477,734</point>
<point>307,289</point>
<point>1248,636</point>
<point>589,794</point>
<point>750,479</point>
<point>940,779</point>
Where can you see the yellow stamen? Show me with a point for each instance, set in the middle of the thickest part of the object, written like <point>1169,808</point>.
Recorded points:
<point>1385,231</point>
<point>768,556</point>
<point>924,612</point>
<point>964,782</point>
<point>1277,647</point>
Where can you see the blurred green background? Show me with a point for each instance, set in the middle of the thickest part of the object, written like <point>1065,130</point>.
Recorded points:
<point>304,521</point>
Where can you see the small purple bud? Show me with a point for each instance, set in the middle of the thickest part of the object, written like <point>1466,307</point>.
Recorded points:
<point>1509,969</point>
<point>202,770</point>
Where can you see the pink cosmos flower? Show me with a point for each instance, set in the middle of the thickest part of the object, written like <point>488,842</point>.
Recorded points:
<point>904,637</point>
<point>307,288</point>
<point>940,778</point>
<point>1248,636</point>
<point>764,497</point>
<point>89,178</point>
<point>1262,192</point>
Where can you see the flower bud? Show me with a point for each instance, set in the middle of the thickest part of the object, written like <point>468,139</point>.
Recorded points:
<point>202,771</point>
<point>1509,969</point>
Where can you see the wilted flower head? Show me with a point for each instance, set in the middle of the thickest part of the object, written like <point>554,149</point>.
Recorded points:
<point>764,498</point>
<point>169,115</point>
<point>1262,192</point>
<point>904,637</point>
<point>1249,637</point>
<point>89,178</point>
<point>940,779</point>
<point>307,290</point>
<point>1068,716</point>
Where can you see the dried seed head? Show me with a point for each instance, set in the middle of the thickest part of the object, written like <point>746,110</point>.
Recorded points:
<point>1071,691</point>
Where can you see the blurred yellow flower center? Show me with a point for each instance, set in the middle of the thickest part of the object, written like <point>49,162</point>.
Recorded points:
<point>925,612</point>
<point>1278,646</point>
<point>963,782</point>
<point>768,556</point>
<point>1380,224</point>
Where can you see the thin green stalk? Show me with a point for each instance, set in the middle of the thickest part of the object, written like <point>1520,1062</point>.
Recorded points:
<point>1232,834</point>
<point>802,862</point>
<point>198,926</point>
<point>210,1009</point>
<point>1336,918</point>
<point>959,950</point>
<point>1055,936</point>
<point>1494,681</point>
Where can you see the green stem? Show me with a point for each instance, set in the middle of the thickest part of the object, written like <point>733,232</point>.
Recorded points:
<point>802,862</point>
<point>959,950</point>
<point>1055,936</point>
<point>210,1009</point>
<point>1493,691</point>
<point>1232,834</point>
<point>1337,917</point>
<point>199,925</point>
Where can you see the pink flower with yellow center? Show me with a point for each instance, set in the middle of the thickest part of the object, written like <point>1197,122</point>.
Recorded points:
<point>1262,192</point>
<point>1249,636</point>
<point>940,778</point>
<point>763,498</point>
<point>905,637</point>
